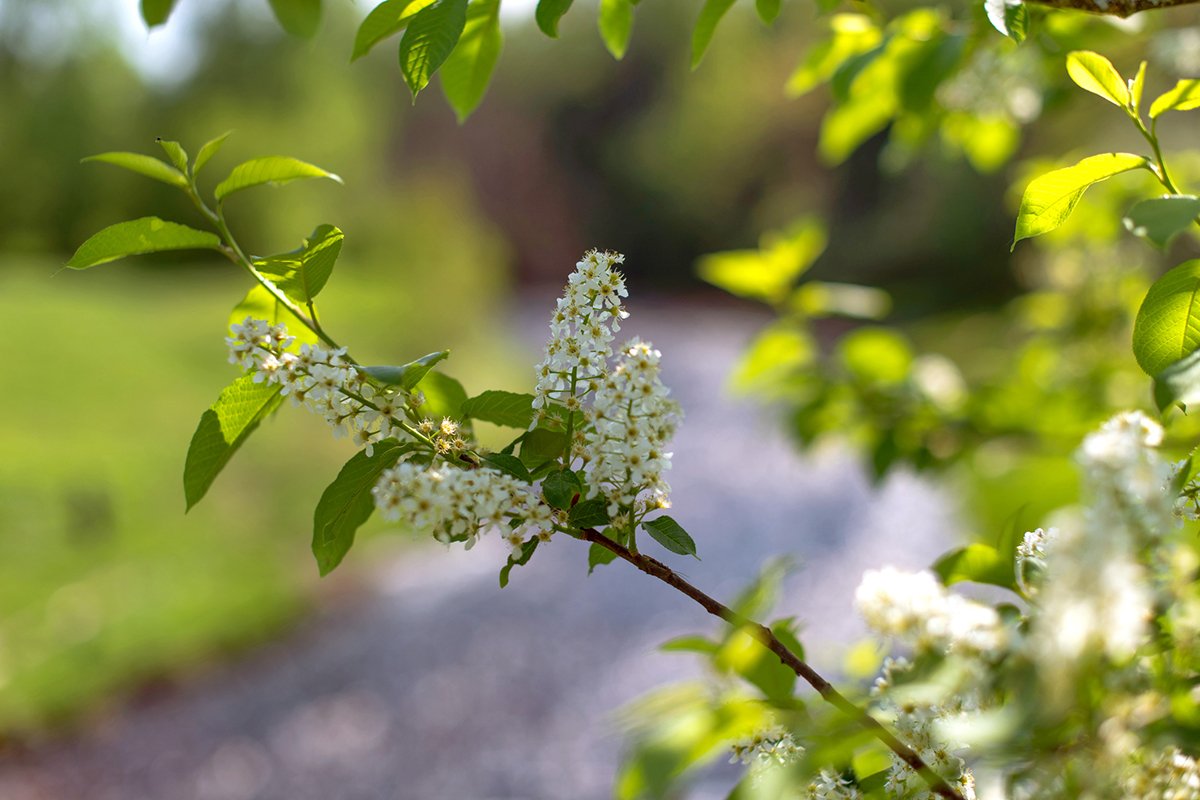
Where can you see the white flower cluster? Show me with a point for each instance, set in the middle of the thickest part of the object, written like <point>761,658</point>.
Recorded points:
<point>320,379</point>
<point>457,505</point>
<point>633,421</point>
<point>1170,775</point>
<point>772,745</point>
<point>1030,563</point>
<point>915,608</point>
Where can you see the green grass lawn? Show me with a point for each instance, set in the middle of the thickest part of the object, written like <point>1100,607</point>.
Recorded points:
<point>104,581</point>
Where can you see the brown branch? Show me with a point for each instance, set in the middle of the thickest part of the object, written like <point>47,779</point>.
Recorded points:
<point>763,634</point>
<point>1112,8</point>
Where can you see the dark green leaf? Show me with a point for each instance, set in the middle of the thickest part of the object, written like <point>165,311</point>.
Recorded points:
<point>510,409</point>
<point>444,396</point>
<point>176,153</point>
<point>149,166</point>
<point>768,10</point>
<point>467,71</point>
<point>274,170</point>
<point>347,502</point>
<point>526,553</point>
<point>298,17</point>
<point>508,464</point>
<point>1179,384</point>
<point>706,25</point>
<point>1161,219</point>
<point>1050,198</point>
<point>616,24</point>
<point>303,273</point>
<point>560,488</point>
<point>598,556</point>
<point>408,375</point>
<point>428,41</point>
<point>207,151</point>
<point>139,236</point>
<point>980,563</point>
<point>548,13</point>
<point>155,12</point>
<point>386,19</point>
<point>222,429</point>
<point>541,445</point>
<point>589,513</point>
<point>1167,328</point>
<point>671,535</point>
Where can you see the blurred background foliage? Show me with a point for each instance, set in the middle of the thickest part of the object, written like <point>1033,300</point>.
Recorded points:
<point>901,322</point>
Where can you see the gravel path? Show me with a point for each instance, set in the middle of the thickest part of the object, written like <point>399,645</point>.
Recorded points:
<point>440,685</point>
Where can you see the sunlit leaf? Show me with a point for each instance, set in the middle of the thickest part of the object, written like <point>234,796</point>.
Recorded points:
<point>1161,219</point>
<point>876,355</point>
<point>139,236</point>
<point>706,25</point>
<point>778,351</point>
<point>444,396</point>
<point>548,13</point>
<point>149,166</point>
<point>1008,17</point>
<point>385,20</point>
<point>298,17</point>
<point>209,150</point>
<point>273,170</point>
<point>176,153</point>
<point>850,35</point>
<point>1137,86</point>
<point>303,272</point>
<point>1179,384</point>
<point>407,376</point>
<point>1167,328</point>
<point>510,409</point>
<point>768,273</point>
<point>261,304</point>
<point>1184,96</point>
<point>980,563</point>
<point>616,25</point>
<point>223,429</point>
<point>1050,198</point>
<point>429,39</point>
<point>1096,74</point>
<point>467,71</point>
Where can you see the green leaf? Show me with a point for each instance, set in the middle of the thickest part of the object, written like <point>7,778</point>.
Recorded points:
<point>222,429</point>
<point>298,17</point>
<point>560,488</point>
<point>1161,219</point>
<point>767,273</point>
<point>444,396</point>
<point>768,10</point>
<point>780,351</point>
<point>467,71</point>
<point>589,513</point>
<point>520,561</point>
<point>408,375</point>
<point>261,304</point>
<point>1184,96</point>
<point>616,25</point>
<point>386,19</point>
<point>303,273</point>
<point>541,445</point>
<point>428,41</point>
<point>347,502</point>
<point>548,13</point>
<point>1010,18</point>
<point>149,166</point>
<point>207,151</point>
<point>509,465</point>
<point>176,153</point>
<point>1167,328</point>
<point>876,356</point>
<point>1178,384</point>
<point>1050,198</point>
<point>687,644</point>
<point>1096,74</point>
<point>980,563</point>
<point>599,556</point>
<point>1137,85</point>
<point>510,409</point>
<point>155,12</point>
<point>137,237</point>
<point>671,535</point>
<point>275,170</point>
<point>706,26</point>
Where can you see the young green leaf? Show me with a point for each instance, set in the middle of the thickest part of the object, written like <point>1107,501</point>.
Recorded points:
<point>386,19</point>
<point>518,561</point>
<point>298,17</point>
<point>1167,328</point>
<point>275,170</point>
<point>1161,219</point>
<point>510,409</point>
<point>155,12</point>
<point>444,396</point>
<point>408,375</point>
<point>207,151</point>
<point>467,71</point>
<point>1137,86</point>
<point>508,464</point>
<point>1184,96</point>
<point>980,563</point>
<point>175,153</point>
<point>589,513</point>
<point>548,13</point>
<point>1178,384</point>
<point>560,488</point>
<point>428,41</point>
<point>768,10</point>
<point>149,166</point>
<point>1050,198</point>
<point>706,25</point>
<point>222,429</point>
<point>347,503</point>
<point>671,535</point>
<point>1096,74</point>
<point>767,273</point>
<point>598,556</point>
<point>139,236</point>
<point>616,25</point>
<point>303,272</point>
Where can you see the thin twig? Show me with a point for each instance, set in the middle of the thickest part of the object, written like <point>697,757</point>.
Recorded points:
<point>1113,8</point>
<point>763,634</point>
